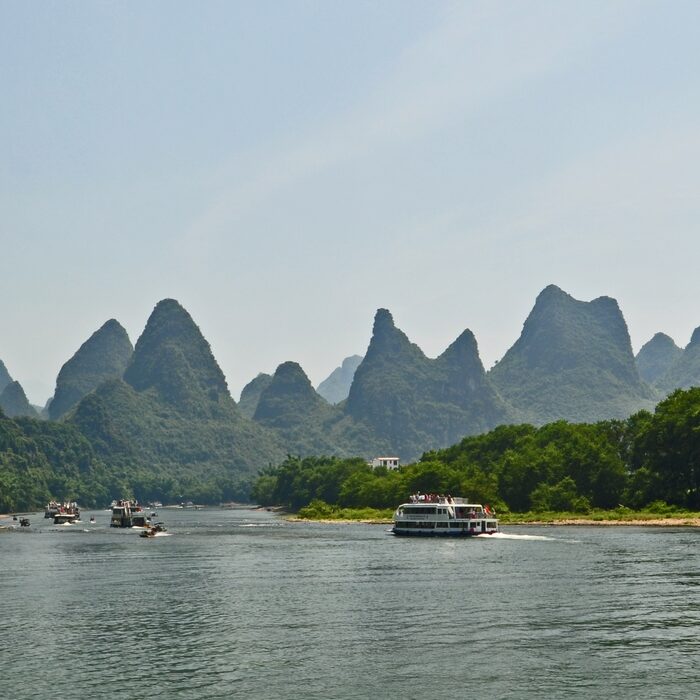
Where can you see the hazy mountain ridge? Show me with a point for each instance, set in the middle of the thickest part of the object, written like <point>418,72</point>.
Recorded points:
<point>14,402</point>
<point>684,371</point>
<point>306,422</point>
<point>171,412</point>
<point>250,396</point>
<point>336,387</point>
<point>415,403</point>
<point>5,377</point>
<point>656,357</point>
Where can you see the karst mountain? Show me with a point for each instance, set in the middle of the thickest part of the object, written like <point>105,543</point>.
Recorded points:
<point>103,356</point>
<point>573,361</point>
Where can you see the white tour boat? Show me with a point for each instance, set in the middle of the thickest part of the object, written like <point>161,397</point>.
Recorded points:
<point>443,516</point>
<point>65,513</point>
<point>129,514</point>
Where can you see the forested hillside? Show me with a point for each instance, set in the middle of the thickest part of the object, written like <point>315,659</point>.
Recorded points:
<point>40,460</point>
<point>103,356</point>
<point>159,421</point>
<point>171,417</point>
<point>644,459</point>
<point>414,403</point>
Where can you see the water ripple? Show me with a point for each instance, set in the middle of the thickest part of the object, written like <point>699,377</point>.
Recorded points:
<point>242,603</point>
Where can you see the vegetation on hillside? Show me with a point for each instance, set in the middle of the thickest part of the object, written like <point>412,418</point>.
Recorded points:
<point>41,461</point>
<point>572,361</point>
<point>414,403</point>
<point>684,371</point>
<point>646,459</point>
<point>656,357</point>
<point>14,402</point>
<point>305,422</point>
<point>103,356</point>
<point>168,429</point>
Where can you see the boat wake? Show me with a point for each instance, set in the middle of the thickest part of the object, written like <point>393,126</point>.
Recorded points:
<point>510,536</point>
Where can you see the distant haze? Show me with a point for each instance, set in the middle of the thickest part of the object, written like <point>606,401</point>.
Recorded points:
<point>284,170</point>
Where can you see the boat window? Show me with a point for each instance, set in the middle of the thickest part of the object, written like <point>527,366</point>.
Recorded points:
<point>420,510</point>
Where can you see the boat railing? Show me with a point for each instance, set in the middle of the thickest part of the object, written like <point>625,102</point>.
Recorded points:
<point>408,515</point>
<point>429,498</point>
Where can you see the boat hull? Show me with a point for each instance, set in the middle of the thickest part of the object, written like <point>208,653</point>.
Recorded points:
<point>440,532</point>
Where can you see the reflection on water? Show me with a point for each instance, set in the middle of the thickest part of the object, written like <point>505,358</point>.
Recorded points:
<point>242,602</point>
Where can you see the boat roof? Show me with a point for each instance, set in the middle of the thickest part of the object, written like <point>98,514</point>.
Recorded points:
<point>455,502</point>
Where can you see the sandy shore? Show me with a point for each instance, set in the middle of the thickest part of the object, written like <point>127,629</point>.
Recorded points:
<point>330,521</point>
<point>653,522</point>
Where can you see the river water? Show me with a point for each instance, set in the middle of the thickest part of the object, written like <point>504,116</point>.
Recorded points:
<point>242,603</point>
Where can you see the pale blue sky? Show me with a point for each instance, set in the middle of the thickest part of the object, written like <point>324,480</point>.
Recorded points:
<point>283,169</point>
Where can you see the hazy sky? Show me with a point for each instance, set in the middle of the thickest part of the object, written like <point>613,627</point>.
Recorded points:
<point>283,169</point>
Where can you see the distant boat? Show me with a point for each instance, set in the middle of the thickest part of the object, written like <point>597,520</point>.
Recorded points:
<point>53,507</point>
<point>127,513</point>
<point>66,513</point>
<point>152,531</point>
<point>66,518</point>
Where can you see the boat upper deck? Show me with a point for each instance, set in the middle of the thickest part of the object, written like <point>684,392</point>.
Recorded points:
<point>442,508</point>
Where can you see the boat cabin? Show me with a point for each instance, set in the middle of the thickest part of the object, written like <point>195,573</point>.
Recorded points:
<point>128,514</point>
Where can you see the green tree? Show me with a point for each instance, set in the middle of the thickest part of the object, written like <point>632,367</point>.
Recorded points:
<point>671,444</point>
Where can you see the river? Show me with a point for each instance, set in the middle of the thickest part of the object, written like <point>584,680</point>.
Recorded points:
<point>241,603</point>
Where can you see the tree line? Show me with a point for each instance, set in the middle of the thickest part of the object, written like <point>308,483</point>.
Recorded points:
<point>647,458</point>
<point>45,460</point>
<point>561,466</point>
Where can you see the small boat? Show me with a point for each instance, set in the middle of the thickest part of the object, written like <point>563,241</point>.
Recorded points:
<point>24,522</point>
<point>127,513</point>
<point>153,530</point>
<point>443,516</point>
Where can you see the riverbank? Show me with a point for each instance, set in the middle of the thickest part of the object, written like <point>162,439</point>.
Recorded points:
<point>618,518</point>
<point>650,522</point>
<point>340,521</point>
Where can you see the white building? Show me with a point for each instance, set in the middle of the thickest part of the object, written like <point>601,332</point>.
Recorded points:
<point>388,462</point>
